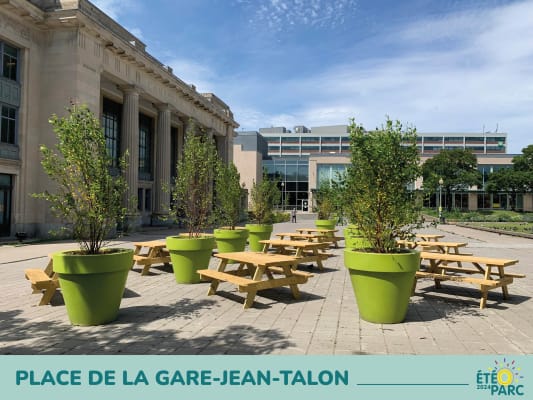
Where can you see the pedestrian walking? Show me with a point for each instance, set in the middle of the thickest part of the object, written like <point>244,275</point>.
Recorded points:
<point>293,215</point>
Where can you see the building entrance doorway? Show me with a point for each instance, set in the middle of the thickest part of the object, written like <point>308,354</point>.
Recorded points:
<point>5,204</point>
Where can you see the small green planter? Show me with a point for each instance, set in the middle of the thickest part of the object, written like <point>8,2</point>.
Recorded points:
<point>189,255</point>
<point>325,223</point>
<point>382,283</point>
<point>231,240</point>
<point>258,232</point>
<point>93,285</point>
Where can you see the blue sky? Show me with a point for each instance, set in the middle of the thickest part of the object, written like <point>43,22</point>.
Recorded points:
<point>442,66</point>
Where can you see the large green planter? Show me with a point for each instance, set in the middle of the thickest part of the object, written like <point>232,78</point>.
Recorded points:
<point>382,283</point>
<point>325,223</point>
<point>189,255</point>
<point>230,240</point>
<point>93,285</point>
<point>258,232</point>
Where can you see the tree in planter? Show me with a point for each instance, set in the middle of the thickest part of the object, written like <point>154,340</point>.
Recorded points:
<point>192,191</point>
<point>384,163</point>
<point>228,193</point>
<point>264,196</point>
<point>228,196</point>
<point>192,199</point>
<point>325,206</point>
<point>91,200</point>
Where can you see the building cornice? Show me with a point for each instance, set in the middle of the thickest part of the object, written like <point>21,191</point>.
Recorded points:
<point>83,15</point>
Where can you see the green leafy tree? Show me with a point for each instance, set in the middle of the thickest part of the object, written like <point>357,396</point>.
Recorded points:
<point>456,167</point>
<point>514,180</point>
<point>511,181</point>
<point>264,196</point>
<point>192,190</point>
<point>229,193</point>
<point>524,161</point>
<point>384,162</point>
<point>325,200</point>
<point>87,196</point>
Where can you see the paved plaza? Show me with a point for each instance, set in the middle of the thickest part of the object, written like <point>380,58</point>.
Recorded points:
<point>158,316</point>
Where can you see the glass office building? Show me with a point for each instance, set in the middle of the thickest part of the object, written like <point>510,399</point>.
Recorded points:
<point>292,174</point>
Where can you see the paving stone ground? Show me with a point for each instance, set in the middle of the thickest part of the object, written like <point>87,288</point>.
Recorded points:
<point>158,316</point>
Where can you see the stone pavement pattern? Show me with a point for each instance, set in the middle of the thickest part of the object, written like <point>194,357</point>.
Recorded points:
<point>158,316</point>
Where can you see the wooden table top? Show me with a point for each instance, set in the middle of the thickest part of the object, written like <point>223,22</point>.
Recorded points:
<point>264,259</point>
<point>293,243</point>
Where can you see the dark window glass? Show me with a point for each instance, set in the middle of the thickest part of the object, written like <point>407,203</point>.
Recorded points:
<point>173,151</point>
<point>145,146</point>
<point>148,200</point>
<point>8,124</point>
<point>140,199</point>
<point>9,62</point>
<point>111,125</point>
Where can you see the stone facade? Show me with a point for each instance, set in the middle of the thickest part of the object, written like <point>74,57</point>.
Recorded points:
<point>70,51</point>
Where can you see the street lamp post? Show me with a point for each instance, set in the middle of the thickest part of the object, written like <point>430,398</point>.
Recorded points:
<point>282,196</point>
<point>441,218</point>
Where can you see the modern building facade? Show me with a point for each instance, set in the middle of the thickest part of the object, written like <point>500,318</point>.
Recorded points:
<point>335,139</point>
<point>55,52</point>
<point>325,152</point>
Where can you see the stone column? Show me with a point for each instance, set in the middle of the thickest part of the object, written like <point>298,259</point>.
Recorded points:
<point>130,143</point>
<point>162,161</point>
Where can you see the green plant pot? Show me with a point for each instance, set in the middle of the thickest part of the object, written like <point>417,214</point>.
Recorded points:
<point>231,240</point>
<point>189,255</point>
<point>325,223</point>
<point>258,232</point>
<point>93,285</point>
<point>382,283</point>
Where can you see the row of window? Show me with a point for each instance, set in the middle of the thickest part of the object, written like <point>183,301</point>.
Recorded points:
<point>111,125</point>
<point>9,65</point>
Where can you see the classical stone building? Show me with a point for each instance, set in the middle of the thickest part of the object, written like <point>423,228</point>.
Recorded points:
<point>55,52</point>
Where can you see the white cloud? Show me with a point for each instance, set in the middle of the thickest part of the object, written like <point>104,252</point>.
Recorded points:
<point>279,15</point>
<point>195,73</point>
<point>481,78</point>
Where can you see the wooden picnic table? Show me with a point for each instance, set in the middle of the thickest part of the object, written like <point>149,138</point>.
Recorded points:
<point>300,236</point>
<point>261,267</point>
<point>492,271</point>
<point>429,237</point>
<point>304,251</point>
<point>328,234</point>
<point>156,253</point>
<point>441,247</point>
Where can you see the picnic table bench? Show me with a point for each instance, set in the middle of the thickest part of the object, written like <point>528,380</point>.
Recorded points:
<point>429,237</point>
<point>156,253</point>
<point>256,272</point>
<point>43,281</point>
<point>439,270</point>
<point>323,234</point>
<point>302,250</point>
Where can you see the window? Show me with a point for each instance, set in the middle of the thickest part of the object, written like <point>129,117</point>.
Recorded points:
<point>8,119</point>
<point>111,120</point>
<point>145,147</point>
<point>290,140</point>
<point>453,139</point>
<point>9,61</point>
